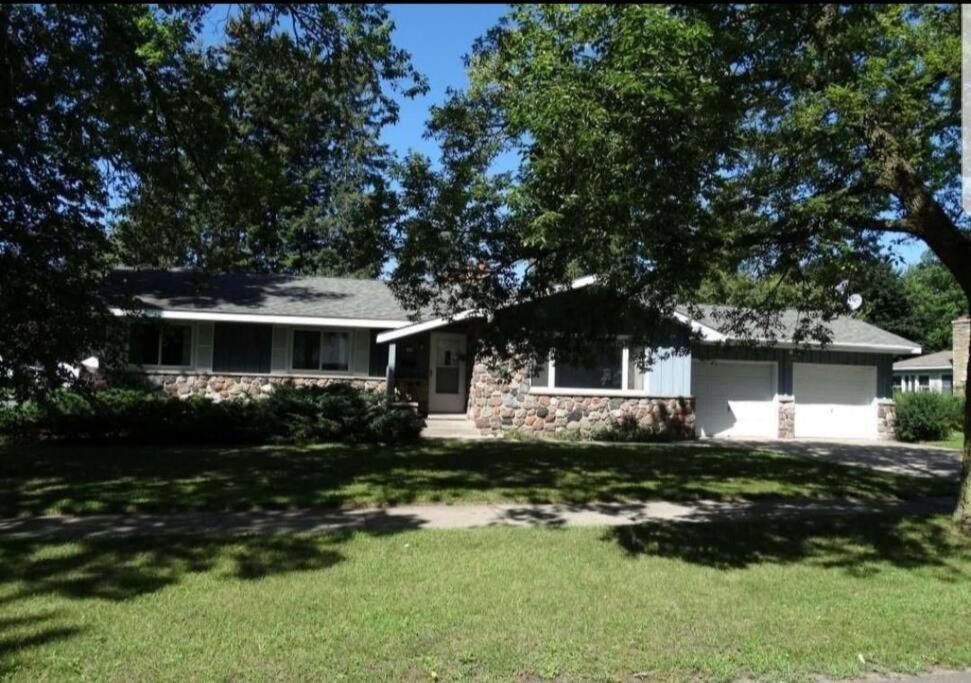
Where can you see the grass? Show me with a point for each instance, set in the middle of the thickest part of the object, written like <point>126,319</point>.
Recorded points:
<point>765,600</point>
<point>96,479</point>
<point>955,441</point>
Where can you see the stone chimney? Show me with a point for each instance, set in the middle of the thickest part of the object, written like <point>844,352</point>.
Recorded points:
<point>960,338</point>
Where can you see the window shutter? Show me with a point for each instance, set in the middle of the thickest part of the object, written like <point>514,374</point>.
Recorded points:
<point>361,352</point>
<point>204,347</point>
<point>279,354</point>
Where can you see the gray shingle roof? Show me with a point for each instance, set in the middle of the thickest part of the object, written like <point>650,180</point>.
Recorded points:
<point>843,329</point>
<point>941,359</point>
<point>326,297</point>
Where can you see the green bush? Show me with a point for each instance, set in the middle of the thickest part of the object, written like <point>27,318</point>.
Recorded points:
<point>335,413</point>
<point>627,430</point>
<point>928,416</point>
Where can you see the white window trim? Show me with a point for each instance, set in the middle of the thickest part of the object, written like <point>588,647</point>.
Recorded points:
<point>552,390</point>
<point>159,367</point>
<point>319,372</point>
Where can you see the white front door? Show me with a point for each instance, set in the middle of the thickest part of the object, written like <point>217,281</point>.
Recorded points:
<point>734,398</point>
<point>835,401</point>
<point>446,390</point>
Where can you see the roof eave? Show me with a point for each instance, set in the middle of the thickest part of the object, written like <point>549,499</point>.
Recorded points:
<point>214,316</point>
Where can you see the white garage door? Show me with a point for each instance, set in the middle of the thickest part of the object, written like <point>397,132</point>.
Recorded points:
<point>734,399</point>
<point>837,401</point>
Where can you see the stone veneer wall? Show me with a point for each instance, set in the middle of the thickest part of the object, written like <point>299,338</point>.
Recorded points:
<point>500,402</point>
<point>221,387</point>
<point>787,417</point>
<point>886,420</point>
<point>960,340</point>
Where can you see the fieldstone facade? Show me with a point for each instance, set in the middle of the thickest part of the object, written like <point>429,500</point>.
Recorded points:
<point>500,402</point>
<point>224,387</point>
<point>787,417</point>
<point>960,340</point>
<point>886,420</point>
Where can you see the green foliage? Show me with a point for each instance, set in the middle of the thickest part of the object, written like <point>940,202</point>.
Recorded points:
<point>334,413</point>
<point>291,173</point>
<point>928,416</point>
<point>626,430</point>
<point>659,146</point>
<point>918,303</point>
<point>934,299</point>
<point>258,152</point>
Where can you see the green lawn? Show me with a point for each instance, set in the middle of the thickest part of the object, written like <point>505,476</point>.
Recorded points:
<point>91,479</point>
<point>955,441</point>
<point>765,600</point>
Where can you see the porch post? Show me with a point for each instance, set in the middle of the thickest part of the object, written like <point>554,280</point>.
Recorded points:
<point>389,373</point>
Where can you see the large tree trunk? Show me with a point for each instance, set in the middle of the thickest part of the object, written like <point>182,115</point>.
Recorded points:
<point>962,514</point>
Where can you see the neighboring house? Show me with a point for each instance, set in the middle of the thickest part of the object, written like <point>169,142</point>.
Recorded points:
<point>241,334</point>
<point>943,371</point>
<point>931,372</point>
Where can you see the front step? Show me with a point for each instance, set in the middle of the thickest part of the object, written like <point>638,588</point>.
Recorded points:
<point>450,426</point>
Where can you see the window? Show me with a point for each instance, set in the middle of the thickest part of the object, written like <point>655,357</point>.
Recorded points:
<point>242,348</point>
<point>923,383</point>
<point>162,345</point>
<point>897,382</point>
<point>605,370</point>
<point>321,350</point>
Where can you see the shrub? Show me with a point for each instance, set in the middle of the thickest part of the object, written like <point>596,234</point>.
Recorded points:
<point>927,416</point>
<point>334,413</point>
<point>627,430</point>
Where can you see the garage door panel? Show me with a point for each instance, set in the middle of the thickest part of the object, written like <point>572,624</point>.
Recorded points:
<point>835,401</point>
<point>734,399</point>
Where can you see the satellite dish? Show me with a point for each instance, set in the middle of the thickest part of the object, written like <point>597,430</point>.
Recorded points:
<point>854,301</point>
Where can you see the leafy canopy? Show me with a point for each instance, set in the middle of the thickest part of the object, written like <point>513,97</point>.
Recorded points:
<point>124,138</point>
<point>657,146</point>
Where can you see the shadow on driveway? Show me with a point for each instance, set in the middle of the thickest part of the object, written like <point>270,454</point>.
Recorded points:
<point>885,456</point>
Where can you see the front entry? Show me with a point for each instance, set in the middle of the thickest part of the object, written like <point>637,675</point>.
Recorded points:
<point>446,390</point>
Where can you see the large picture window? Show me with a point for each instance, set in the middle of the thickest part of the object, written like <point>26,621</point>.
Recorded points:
<point>160,345</point>
<point>603,371</point>
<point>325,350</point>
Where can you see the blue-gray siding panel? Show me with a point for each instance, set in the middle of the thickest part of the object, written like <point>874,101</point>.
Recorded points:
<point>669,375</point>
<point>786,357</point>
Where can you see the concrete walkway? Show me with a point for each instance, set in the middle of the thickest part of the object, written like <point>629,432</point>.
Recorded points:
<point>404,517</point>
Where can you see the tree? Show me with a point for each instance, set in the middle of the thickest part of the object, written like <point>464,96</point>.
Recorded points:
<point>120,134</point>
<point>74,108</point>
<point>292,176</point>
<point>934,299</point>
<point>658,146</point>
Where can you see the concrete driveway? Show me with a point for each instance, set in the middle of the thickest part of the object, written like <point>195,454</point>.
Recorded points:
<point>886,456</point>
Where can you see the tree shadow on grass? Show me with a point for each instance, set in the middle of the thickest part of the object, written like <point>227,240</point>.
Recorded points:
<point>860,544</point>
<point>117,479</point>
<point>122,569</point>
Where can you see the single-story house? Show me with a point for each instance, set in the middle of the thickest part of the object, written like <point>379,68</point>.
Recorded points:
<point>930,372</point>
<point>943,371</point>
<point>232,335</point>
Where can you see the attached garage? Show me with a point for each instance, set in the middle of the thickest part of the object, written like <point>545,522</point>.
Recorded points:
<point>835,401</point>
<point>734,398</point>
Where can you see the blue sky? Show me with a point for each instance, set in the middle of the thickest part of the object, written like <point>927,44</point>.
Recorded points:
<point>437,36</point>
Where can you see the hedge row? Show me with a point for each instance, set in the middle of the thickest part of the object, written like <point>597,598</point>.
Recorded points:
<point>306,414</point>
<point>928,416</point>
